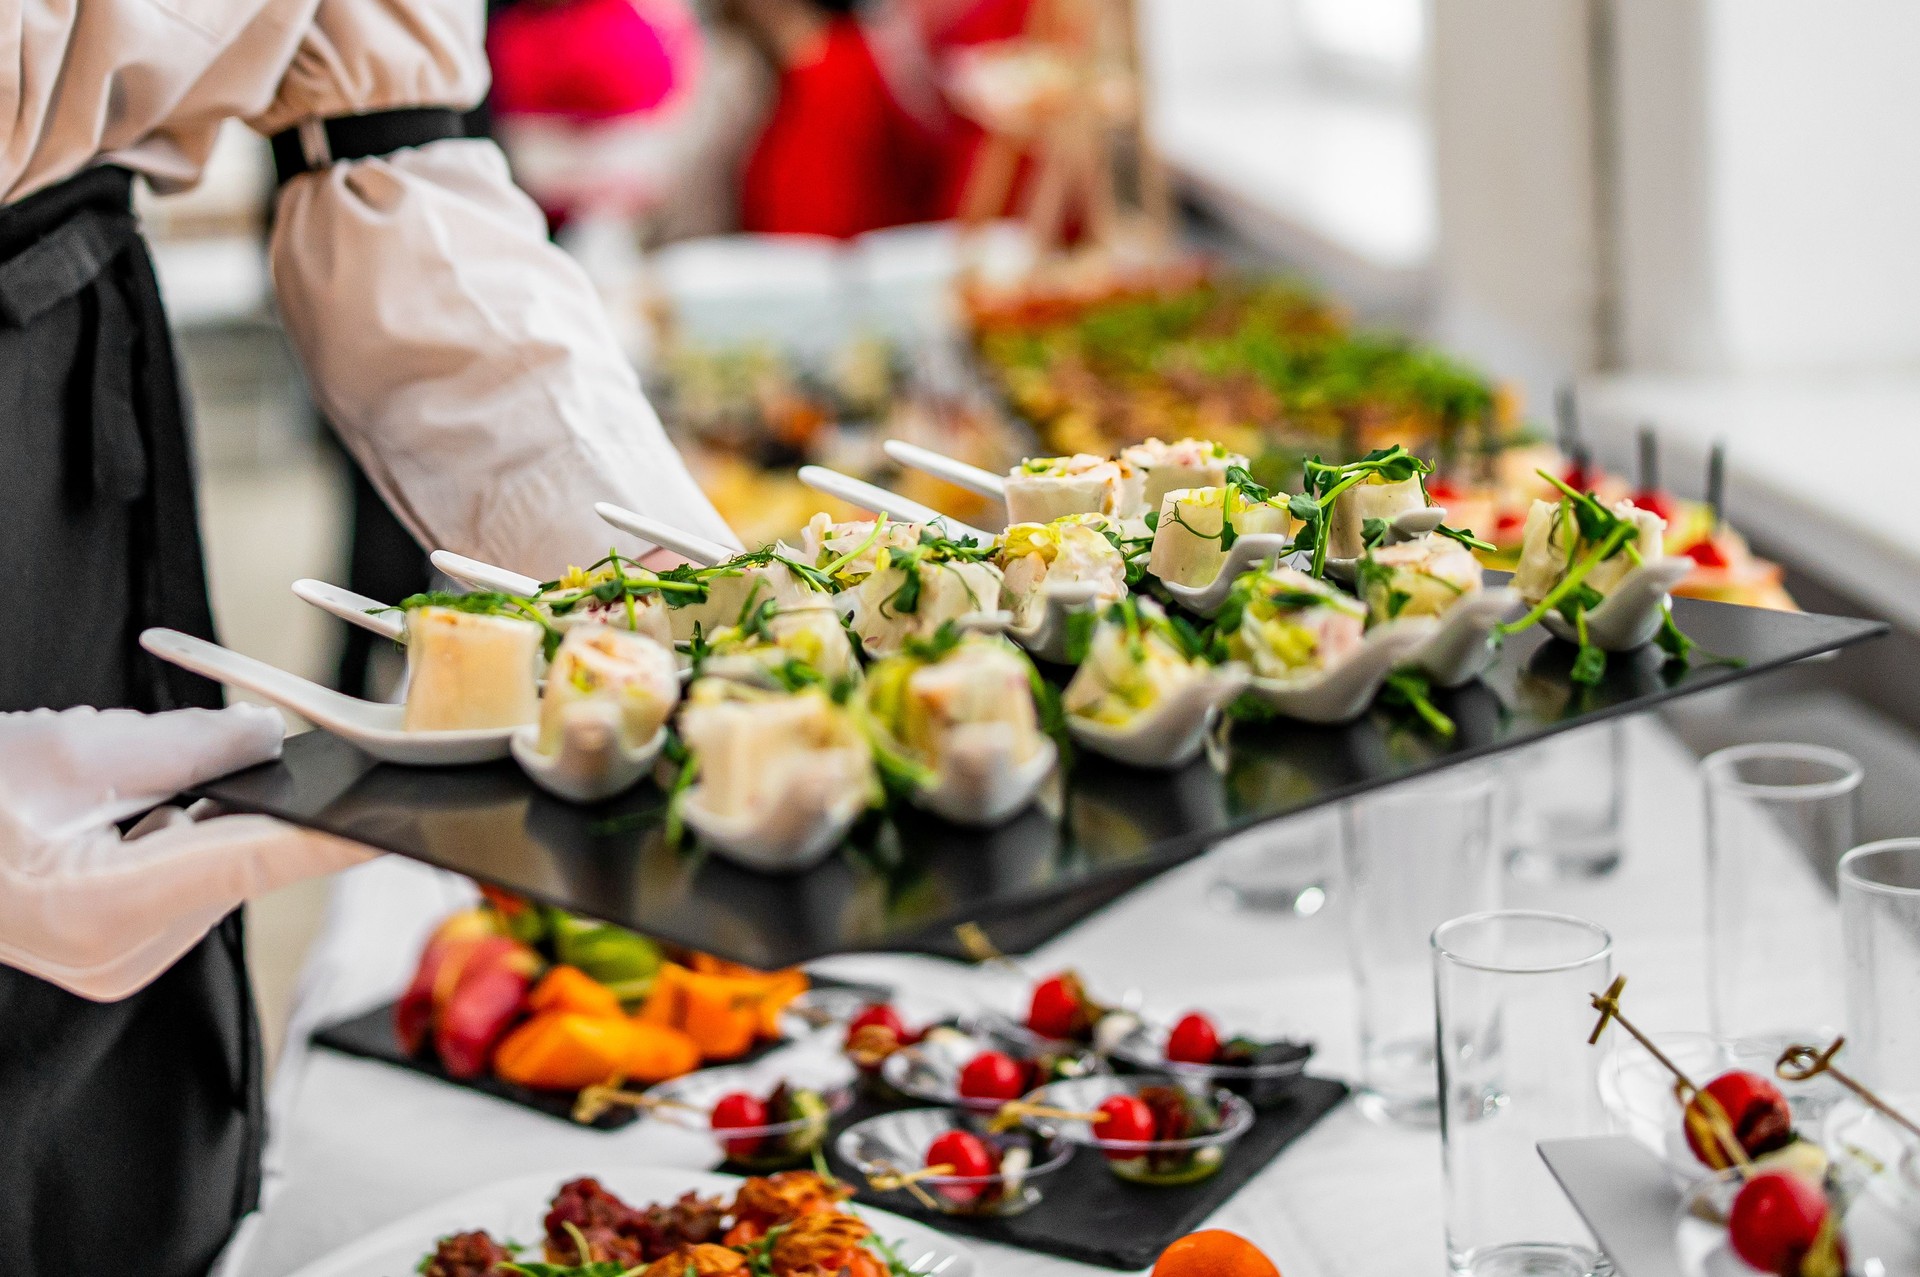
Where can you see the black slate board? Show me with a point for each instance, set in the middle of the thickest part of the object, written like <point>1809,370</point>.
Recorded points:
<point>1114,827</point>
<point>1088,1214</point>
<point>371,1037</point>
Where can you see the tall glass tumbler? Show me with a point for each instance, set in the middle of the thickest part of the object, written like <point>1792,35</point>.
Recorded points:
<point>1568,800</point>
<point>1413,857</point>
<point>1281,868</point>
<point>1779,817</point>
<point>1880,918</point>
<point>1512,994</point>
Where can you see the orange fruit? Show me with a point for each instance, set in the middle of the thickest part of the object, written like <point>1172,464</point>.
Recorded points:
<point>1214,1253</point>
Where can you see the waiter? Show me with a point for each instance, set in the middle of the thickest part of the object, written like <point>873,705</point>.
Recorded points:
<point>465,363</point>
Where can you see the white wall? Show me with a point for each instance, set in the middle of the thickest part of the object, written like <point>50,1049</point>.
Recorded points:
<point>1517,256</point>
<point>1813,125</point>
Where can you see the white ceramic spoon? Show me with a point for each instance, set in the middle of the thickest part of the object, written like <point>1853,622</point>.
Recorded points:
<point>483,576</point>
<point>1045,634</point>
<point>354,609</point>
<point>1460,650</point>
<point>693,548</point>
<point>592,764</point>
<point>1408,525</point>
<point>877,500</point>
<point>369,725</point>
<point>981,783</point>
<point>1246,553</point>
<point>961,475</point>
<point>1343,693</point>
<point>1630,615</point>
<point>1173,731</point>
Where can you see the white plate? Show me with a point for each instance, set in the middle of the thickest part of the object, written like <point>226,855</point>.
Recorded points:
<point>513,1208</point>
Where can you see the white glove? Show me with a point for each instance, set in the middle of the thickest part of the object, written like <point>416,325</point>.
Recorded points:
<point>101,915</point>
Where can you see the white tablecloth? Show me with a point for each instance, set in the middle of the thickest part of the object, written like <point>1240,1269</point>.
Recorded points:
<point>357,1144</point>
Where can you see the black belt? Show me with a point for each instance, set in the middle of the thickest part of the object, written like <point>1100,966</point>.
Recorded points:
<point>315,144</point>
<point>61,264</point>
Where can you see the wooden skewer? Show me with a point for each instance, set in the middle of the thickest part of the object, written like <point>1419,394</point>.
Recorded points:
<point>1013,1112</point>
<point>1692,1098</point>
<point>891,1177</point>
<point>596,1100</point>
<point>1801,1063</point>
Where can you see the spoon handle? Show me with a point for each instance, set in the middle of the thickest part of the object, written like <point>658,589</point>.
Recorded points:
<point>688,546</point>
<point>483,576</point>
<point>941,466</point>
<point>304,697</point>
<point>354,609</point>
<point>878,500</point>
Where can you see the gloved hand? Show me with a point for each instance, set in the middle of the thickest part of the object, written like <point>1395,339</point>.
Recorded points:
<point>102,915</point>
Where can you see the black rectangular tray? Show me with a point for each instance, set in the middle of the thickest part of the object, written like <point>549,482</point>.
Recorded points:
<point>370,1036</point>
<point>1087,1213</point>
<point>1025,881</point>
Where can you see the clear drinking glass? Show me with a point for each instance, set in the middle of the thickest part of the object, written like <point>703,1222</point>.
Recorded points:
<point>1778,819</point>
<point>1512,1015</point>
<point>1880,918</point>
<point>1413,857</point>
<point>1568,804</point>
<point>1281,868</point>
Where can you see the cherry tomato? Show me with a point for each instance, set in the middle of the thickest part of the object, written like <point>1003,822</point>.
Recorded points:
<point>1775,1220</point>
<point>1125,1117</point>
<point>992,1075</point>
<point>969,1157</point>
<point>1058,1009</point>
<point>1655,502</point>
<point>1193,1040</point>
<point>878,1015</point>
<point>739,1111</point>
<point>1707,554</point>
<point>1754,1107</point>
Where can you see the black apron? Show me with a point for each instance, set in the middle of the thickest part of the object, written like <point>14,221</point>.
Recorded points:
<point>129,1131</point>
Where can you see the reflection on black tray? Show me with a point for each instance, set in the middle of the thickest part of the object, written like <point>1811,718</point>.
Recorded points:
<point>904,886</point>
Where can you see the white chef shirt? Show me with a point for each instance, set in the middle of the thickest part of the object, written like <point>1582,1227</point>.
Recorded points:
<point>465,361</point>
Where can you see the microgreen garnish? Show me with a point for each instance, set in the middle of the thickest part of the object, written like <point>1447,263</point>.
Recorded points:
<point>1411,689</point>
<point>1324,483</point>
<point>486,603</point>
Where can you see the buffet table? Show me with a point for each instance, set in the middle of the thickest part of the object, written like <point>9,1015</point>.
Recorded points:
<point>357,1144</point>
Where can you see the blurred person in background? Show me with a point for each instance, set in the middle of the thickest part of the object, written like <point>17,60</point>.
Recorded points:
<point>841,152</point>
<point>468,367</point>
<point>861,135</point>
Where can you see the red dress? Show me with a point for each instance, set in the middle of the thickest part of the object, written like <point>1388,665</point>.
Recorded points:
<point>839,155</point>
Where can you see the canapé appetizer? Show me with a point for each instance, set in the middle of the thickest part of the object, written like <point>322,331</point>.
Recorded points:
<point>628,674</point>
<point>1422,577</point>
<point>780,647</point>
<point>955,718</point>
<point>912,592</point>
<point>1597,576</point>
<point>617,592</point>
<point>1198,527</point>
<point>1042,489</point>
<point>1144,693</point>
<point>471,666</point>
<point>846,553</point>
<point>1184,463</point>
<point>1377,495</point>
<point>775,574</point>
<point>1285,625</point>
<point>1559,542</point>
<point>780,776</point>
<point>1077,549</point>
